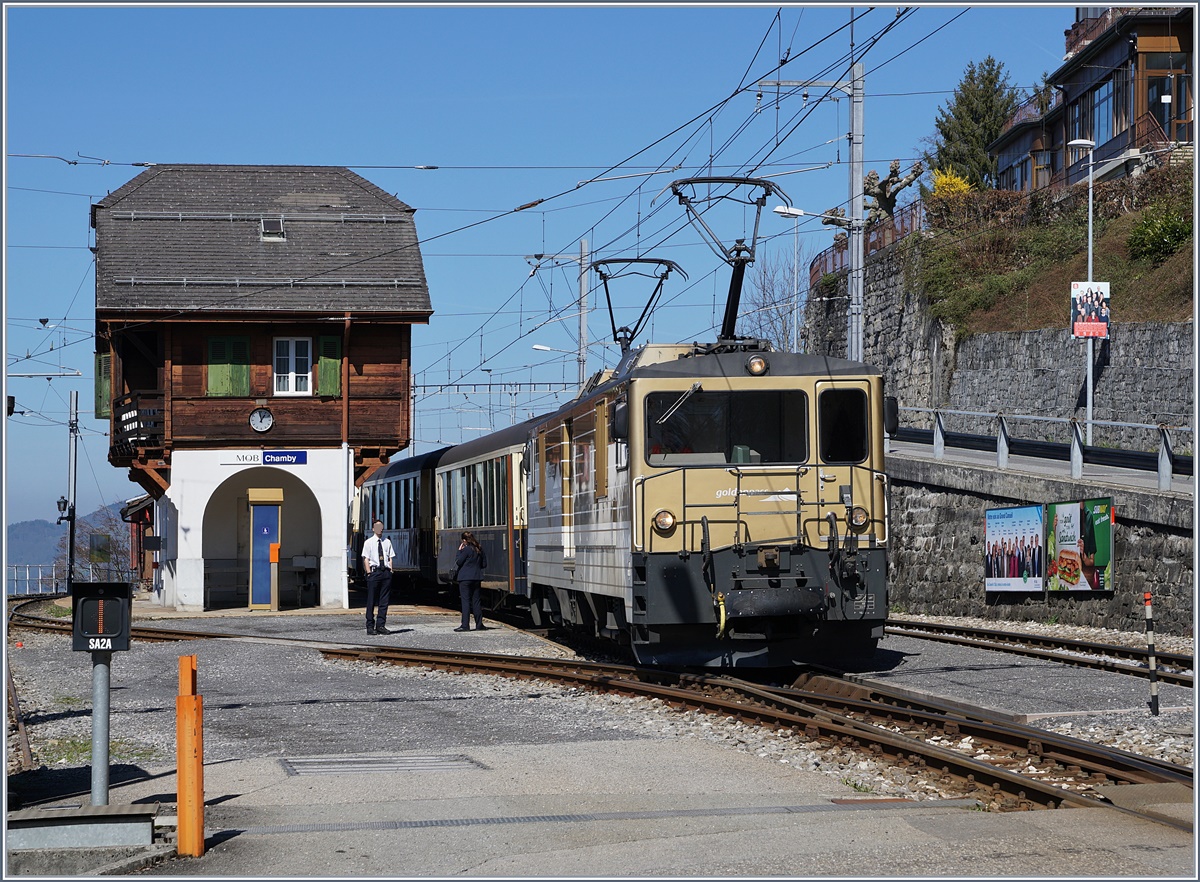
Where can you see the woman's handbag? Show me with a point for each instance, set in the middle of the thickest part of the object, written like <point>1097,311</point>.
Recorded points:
<point>452,573</point>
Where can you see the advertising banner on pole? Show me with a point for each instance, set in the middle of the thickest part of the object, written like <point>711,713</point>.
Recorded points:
<point>1090,309</point>
<point>1079,545</point>
<point>1013,543</point>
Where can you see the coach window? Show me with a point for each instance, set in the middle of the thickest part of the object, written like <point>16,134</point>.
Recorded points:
<point>541,462</point>
<point>489,495</point>
<point>843,425</point>
<point>601,449</point>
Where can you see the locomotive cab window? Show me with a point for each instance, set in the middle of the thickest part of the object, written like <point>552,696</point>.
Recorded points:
<point>842,428</point>
<point>744,427</point>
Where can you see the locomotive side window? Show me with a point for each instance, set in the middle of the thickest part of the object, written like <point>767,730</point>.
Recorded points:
<point>843,425</point>
<point>757,427</point>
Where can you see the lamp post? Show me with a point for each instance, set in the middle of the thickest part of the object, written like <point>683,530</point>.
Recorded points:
<point>852,87</point>
<point>66,512</point>
<point>66,504</point>
<point>794,214</point>
<point>1090,146</point>
<point>853,328</point>
<point>581,357</point>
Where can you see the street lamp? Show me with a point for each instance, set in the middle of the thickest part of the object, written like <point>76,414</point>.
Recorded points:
<point>795,214</point>
<point>853,341</point>
<point>66,512</point>
<point>1090,146</point>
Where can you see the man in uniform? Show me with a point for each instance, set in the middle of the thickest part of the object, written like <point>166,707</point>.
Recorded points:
<point>377,564</point>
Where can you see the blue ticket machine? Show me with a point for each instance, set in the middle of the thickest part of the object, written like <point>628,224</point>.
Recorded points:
<point>265,505</point>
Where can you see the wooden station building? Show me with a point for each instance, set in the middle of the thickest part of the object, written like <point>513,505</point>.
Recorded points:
<point>253,328</point>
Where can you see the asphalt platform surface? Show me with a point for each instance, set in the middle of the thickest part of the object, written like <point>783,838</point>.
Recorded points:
<point>325,769</point>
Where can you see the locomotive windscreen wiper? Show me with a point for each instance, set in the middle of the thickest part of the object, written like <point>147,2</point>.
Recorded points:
<point>674,407</point>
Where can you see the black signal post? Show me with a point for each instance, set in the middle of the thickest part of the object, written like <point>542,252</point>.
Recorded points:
<point>101,614</point>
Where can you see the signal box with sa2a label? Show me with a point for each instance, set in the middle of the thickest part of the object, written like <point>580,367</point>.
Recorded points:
<point>102,613</point>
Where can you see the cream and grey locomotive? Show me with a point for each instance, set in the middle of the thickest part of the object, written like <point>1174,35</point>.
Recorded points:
<point>719,506</point>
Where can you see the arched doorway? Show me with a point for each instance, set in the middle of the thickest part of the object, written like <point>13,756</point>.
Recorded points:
<point>226,541</point>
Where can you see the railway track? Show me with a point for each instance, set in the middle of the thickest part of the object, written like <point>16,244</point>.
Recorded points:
<point>1005,766</point>
<point>1171,667</point>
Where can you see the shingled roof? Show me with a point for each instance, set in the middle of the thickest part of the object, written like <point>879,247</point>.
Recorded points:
<point>192,237</point>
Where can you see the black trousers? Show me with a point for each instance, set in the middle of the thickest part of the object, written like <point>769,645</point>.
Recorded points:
<point>472,603</point>
<point>379,594</point>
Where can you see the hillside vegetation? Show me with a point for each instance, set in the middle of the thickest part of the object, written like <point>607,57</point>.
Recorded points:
<point>998,261</point>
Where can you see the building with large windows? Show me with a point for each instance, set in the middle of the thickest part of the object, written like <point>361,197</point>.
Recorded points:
<point>1125,84</point>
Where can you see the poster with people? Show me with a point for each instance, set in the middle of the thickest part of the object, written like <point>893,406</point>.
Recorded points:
<point>1012,549</point>
<point>1079,545</point>
<point>1090,309</point>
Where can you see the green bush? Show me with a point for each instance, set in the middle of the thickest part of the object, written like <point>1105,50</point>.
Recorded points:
<point>1159,234</point>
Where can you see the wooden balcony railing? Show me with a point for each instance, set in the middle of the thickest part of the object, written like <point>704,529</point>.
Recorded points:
<point>137,422</point>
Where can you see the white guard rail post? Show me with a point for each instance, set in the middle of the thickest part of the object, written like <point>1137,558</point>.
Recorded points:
<point>1165,457</point>
<point>1076,449</point>
<point>1002,442</point>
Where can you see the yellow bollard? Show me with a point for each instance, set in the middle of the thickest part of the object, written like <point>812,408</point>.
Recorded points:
<point>189,752</point>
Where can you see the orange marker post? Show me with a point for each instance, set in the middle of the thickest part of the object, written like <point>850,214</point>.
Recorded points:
<point>189,749</point>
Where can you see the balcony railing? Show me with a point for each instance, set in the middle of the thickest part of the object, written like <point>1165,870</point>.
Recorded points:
<point>1085,31</point>
<point>137,422</point>
<point>1033,108</point>
<point>876,237</point>
<point>25,579</point>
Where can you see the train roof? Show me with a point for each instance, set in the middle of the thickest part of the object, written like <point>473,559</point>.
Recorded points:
<point>512,436</point>
<point>655,360</point>
<point>729,360</point>
<point>408,465</point>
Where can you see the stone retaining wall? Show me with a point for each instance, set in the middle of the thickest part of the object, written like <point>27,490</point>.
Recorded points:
<point>936,568</point>
<point>1144,374</point>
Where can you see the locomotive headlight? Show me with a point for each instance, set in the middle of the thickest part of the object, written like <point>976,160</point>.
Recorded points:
<point>756,365</point>
<point>664,521</point>
<point>858,517</point>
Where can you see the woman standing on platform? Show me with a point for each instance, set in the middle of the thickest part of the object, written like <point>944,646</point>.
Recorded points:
<point>471,562</point>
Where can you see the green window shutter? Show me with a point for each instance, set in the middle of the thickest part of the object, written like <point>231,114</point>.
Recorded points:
<point>329,365</point>
<point>229,366</point>
<point>239,365</point>
<point>103,403</point>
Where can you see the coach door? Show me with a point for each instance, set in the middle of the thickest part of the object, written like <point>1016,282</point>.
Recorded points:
<point>844,452</point>
<point>568,492</point>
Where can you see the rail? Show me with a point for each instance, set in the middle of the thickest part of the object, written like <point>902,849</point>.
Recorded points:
<point>1165,461</point>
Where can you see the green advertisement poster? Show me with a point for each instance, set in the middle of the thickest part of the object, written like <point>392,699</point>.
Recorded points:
<point>1079,543</point>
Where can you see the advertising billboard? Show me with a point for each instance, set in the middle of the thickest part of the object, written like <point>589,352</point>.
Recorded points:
<point>1090,315</point>
<point>1079,545</point>
<point>1012,548</point>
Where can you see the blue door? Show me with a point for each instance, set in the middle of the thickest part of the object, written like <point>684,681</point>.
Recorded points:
<point>264,531</point>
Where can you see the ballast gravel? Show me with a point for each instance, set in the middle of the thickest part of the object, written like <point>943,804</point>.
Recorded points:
<point>279,700</point>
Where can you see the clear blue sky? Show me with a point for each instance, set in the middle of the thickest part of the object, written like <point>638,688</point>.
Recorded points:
<point>513,104</point>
